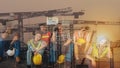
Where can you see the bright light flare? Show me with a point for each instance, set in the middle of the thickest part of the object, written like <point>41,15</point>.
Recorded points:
<point>101,40</point>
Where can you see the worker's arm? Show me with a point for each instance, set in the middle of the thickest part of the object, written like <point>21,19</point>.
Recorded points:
<point>67,42</point>
<point>43,45</point>
<point>53,38</point>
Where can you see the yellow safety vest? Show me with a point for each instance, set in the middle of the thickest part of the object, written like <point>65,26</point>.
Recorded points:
<point>96,54</point>
<point>39,44</point>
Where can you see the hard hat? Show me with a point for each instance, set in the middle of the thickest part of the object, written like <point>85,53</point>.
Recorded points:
<point>81,41</point>
<point>11,52</point>
<point>37,59</point>
<point>61,59</point>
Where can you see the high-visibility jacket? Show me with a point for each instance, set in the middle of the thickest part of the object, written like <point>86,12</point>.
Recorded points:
<point>95,52</point>
<point>34,46</point>
<point>31,47</point>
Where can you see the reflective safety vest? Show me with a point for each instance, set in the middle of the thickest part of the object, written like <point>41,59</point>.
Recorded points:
<point>95,52</point>
<point>34,46</point>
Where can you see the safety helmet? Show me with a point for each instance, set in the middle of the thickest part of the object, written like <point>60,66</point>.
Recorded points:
<point>10,52</point>
<point>37,59</point>
<point>81,41</point>
<point>61,59</point>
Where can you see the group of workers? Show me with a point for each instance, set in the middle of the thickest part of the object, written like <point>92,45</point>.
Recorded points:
<point>6,44</point>
<point>63,45</point>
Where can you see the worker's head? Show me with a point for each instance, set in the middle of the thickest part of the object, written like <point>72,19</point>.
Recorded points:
<point>37,36</point>
<point>4,35</point>
<point>60,28</point>
<point>59,25</point>
<point>43,27</point>
<point>102,41</point>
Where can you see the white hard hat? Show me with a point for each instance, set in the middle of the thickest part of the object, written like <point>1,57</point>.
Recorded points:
<point>102,40</point>
<point>11,52</point>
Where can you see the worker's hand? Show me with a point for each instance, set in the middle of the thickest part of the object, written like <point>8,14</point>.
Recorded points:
<point>64,45</point>
<point>35,52</point>
<point>77,58</point>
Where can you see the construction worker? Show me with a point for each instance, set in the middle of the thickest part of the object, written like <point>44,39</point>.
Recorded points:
<point>15,43</point>
<point>2,43</point>
<point>99,50</point>
<point>82,40</point>
<point>46,35</point>
<point>35,46</point>
<point>64,46</point>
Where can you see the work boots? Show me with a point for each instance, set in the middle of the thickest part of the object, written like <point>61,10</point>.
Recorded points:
<point>0,59</point>
<point>17,59</point>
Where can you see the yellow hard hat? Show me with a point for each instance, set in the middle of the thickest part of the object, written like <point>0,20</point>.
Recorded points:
<point>81,41</point>
<point>37,59</point>
<point>61,59</point>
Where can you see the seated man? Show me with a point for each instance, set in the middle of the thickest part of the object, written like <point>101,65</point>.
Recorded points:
<point>64,46</point>
<point>2,43</point>
<point>35,46</point>
<point>15,43</point>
